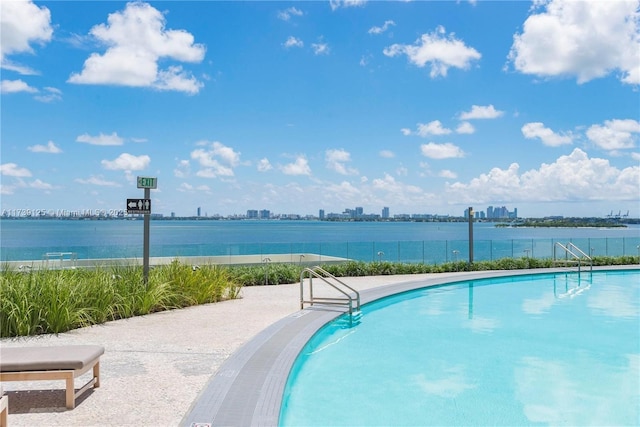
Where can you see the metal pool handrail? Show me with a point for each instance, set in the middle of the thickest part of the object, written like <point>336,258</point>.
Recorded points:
<point>568,251</point>
<point>335,283</point>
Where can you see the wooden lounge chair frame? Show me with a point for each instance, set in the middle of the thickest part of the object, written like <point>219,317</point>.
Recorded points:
<point>4,408</point>
<point>68,375</point>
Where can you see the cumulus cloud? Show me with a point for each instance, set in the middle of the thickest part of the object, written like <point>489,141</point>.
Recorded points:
<point>299,167</point>
<point>320,48</point>
<point>336,160</point>
<point>137,41</point>
<point>439,50</point>
<point>127,162</point>
<point>101,139</point>
<point>22,23</point>
<point>183,169</point>
<point>286,14</point>
<point>465,128</point>
<point>50,94</point>
<point>12,169</point>
<point>39,184</point>
<point>446,173</point>
<point>615,134</point>
<point>336,4</point>
<point>387,154</point>
<point>432,128</point>
<point>50,148</point>
<point>389,184</point>
<point>481,112</point>
<point>217,159</point>
<point>573,177</point>
<point>380,30</point>
<point>97,180</point>
<point>585,39</point>
<point>293,42</point>
<point>441,151</point>
<point>15,86</point>
<point>547,136</point>
<point>264,165</point>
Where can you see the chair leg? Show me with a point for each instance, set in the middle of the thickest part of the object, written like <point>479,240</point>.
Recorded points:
<point>4,411</point>
<point>96,374</point>
<point>71,392</point>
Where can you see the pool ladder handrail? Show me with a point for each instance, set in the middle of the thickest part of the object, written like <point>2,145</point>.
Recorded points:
<point>570,249</point>
<point>328,278</point>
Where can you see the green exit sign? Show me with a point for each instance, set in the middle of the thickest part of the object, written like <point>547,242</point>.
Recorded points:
<point>147,182</point>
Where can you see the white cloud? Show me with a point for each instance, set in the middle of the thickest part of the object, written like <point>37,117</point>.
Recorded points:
<point>585,39</point>
<point>51,94</point>
<point>570,178</point>
<point>183,169</point>
<point>293,42</point>
<point>320,48</point>
<point>15,86</point>
<point>97,180</point>
<point>615,134</point>
<point>438,50</point>
<point>481,112</point>
<point>390,185</point>
<point>127,162</point>
<point>101,139</point>
<point>546,135</point>
<point>380,30</point>
<point>299,167</point>
<point>465,128</point>
<point>186,188</point>
<point>432,128</point>
<point>210,159</point>
<point>441,151</point>
<point>336,4</point>
<point>21,24</point>
<point>49,148</point>
<point>137,40</point>
<point>387,154</point>
<point>446,173</point>
<point>286,14</point>
<point>12,169</point>
<point>336,160</point>
<point>38,184</point>
<point>264,165</point>
<point>406,131</point>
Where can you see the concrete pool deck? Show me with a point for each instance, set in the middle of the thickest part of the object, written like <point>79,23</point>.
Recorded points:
<point>187,366</point>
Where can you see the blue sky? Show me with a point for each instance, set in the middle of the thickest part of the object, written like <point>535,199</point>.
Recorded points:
<point>424,107</point>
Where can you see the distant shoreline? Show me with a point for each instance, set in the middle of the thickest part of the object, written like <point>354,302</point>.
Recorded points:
<point>563,224</point>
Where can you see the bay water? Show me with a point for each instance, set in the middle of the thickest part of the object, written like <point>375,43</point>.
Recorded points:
<point>431,242</point>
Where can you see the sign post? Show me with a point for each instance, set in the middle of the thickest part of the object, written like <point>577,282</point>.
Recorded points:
<point>143,206</point>
<point>471,213</point>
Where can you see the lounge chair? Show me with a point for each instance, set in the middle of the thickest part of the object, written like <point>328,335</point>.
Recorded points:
<point>52,363</point>
<point>4,408</point>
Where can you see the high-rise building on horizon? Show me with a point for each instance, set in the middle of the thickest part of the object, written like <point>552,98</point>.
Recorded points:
<point>385,212</point>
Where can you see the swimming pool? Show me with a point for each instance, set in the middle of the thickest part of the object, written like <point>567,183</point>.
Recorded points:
<point>560,349</point>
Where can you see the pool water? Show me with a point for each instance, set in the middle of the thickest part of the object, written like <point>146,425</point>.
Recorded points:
<point>543,349</point>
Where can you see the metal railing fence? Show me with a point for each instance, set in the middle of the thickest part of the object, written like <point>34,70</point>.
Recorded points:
<point>424,251</point>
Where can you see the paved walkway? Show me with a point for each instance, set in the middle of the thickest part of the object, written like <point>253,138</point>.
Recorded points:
<point>155,366</point>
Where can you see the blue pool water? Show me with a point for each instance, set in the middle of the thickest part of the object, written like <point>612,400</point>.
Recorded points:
<point>560,349</point>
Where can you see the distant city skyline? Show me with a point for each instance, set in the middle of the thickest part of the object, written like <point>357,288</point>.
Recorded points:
<point>421,106</point>
<point>356,213</point>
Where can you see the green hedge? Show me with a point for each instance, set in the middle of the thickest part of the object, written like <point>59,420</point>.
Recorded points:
<point>54,301</point>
